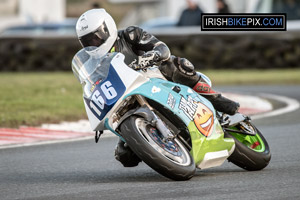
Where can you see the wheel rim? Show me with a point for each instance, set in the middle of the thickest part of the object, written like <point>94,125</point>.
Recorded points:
<point>173,150</point>
<point>255,143</point>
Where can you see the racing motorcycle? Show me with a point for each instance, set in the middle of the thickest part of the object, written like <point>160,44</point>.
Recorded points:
<point>173,129</point>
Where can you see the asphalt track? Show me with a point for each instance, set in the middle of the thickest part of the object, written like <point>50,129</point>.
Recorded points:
<point>85,170</point>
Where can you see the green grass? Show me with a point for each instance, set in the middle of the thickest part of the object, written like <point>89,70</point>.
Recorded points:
<point>35,98</point>
<point>254,77</point>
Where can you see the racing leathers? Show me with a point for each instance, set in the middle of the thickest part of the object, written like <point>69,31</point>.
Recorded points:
<point>142,49</point>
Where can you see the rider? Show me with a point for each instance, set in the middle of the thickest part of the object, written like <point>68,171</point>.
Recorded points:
<point>141,49</point>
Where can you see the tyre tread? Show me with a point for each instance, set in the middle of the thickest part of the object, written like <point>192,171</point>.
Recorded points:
<point>248,159</point>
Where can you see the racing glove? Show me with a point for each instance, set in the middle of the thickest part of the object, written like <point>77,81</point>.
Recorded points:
<point>149,58</point>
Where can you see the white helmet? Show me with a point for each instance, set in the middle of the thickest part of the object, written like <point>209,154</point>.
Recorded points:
<point>96,28</point>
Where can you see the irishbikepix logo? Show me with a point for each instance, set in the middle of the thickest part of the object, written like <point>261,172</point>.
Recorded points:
<point>243,22</point>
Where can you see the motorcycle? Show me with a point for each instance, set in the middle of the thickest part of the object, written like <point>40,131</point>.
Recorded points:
<point>173,129</point>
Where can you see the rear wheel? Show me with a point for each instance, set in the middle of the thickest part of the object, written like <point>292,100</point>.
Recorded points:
<point>168,157</point>
<point>251,152</point>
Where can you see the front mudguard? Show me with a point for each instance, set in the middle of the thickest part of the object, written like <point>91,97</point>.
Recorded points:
<point>143,111</point>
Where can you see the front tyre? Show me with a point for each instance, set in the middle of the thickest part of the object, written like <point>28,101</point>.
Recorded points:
<point>251,152</point>
<point>169,158</point>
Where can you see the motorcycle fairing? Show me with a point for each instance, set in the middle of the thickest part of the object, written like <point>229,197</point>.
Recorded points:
<point>209,148</point>
<point>105,94</point>
<point>210,151</point>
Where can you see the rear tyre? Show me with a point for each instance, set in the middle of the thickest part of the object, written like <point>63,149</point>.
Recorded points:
<point>251,152</point>
<point>169,158</point>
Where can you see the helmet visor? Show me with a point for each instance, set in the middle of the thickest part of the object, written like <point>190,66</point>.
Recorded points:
<point>95,38</point>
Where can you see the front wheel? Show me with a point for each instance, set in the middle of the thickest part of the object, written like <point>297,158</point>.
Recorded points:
<point>168,157</point>
<point>251,152</point>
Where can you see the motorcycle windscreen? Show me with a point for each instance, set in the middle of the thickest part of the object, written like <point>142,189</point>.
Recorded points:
<point>89,70</point>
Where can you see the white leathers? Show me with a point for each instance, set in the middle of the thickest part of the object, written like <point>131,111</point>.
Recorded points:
<point>96,28</point>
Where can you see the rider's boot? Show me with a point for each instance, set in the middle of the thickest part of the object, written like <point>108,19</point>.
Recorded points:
<point>219,102</point>
<point>186,74</point>
<point>125,155</point>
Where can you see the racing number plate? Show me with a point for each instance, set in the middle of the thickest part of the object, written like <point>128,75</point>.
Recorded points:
<point>106,94</point>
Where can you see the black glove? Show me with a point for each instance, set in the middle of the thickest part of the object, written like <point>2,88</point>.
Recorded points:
<point>149,58</point>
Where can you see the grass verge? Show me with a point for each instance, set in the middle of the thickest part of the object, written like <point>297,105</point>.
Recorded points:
<point>254,77</point>
<point>35,98</point>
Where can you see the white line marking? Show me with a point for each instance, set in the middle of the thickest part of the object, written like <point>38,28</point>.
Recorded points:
<point>292,105</point>
<point>105,134</point>
<point>45,142</point>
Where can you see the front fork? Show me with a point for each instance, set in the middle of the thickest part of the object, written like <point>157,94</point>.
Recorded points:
<point>156,121</point>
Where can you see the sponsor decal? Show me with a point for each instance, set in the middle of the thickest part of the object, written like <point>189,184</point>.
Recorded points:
<point>203,88</point>
<point>204,119</point>
<point>188,106</point>
<point>171,101</point>
<point>94,85</point>
<point>84,28</point>
<point>199,113</point>
<point>93,88</point>
<point>83,18</point>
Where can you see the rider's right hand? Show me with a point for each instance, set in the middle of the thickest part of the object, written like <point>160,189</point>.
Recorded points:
<point>149,58</point>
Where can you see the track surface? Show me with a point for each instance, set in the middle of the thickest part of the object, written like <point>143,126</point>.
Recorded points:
<point>85,170</point>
